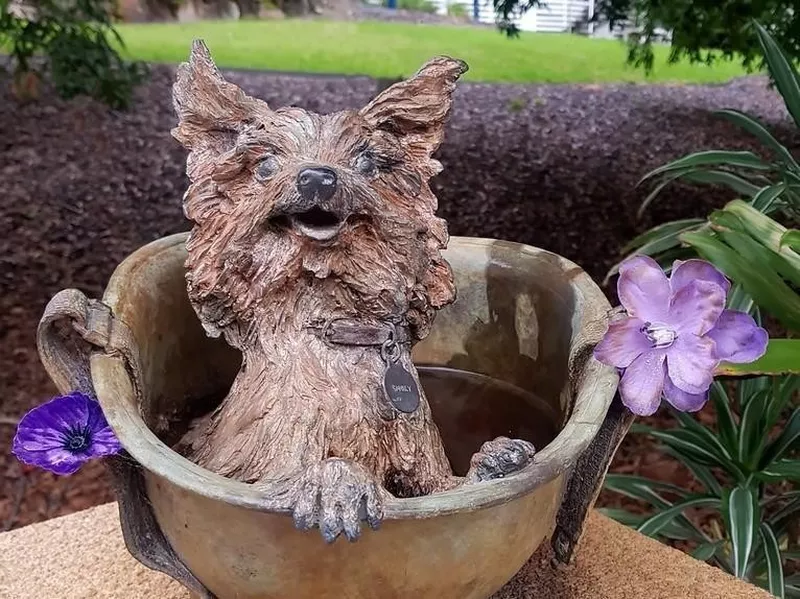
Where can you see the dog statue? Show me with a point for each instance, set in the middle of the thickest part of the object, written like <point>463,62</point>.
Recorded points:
<point>316,252</point>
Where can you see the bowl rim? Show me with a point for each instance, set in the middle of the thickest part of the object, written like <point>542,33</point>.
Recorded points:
<point>115,392</point>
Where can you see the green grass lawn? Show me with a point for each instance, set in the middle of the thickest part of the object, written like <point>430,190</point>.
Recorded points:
<point>392,50</point>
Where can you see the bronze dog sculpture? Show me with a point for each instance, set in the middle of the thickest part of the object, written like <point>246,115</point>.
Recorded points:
<point>316,252</point>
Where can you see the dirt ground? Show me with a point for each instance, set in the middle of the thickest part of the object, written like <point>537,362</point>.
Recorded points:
<point>550,165</point>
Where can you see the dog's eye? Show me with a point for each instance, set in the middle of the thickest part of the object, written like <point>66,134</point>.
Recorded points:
<point>365,164</point>
<point>267,168</point>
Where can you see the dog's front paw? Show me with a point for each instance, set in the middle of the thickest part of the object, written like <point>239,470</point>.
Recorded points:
<point>337,495</point>
<point>499,458</point>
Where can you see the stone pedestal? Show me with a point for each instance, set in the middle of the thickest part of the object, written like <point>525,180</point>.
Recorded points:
<point>82,556</point>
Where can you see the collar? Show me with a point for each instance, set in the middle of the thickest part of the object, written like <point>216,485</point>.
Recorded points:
<point>351,331</point>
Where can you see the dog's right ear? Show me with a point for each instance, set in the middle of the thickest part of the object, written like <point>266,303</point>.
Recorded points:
<point>210,110</point>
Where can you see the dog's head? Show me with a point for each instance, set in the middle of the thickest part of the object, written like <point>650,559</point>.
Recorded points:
<point>329,215</point>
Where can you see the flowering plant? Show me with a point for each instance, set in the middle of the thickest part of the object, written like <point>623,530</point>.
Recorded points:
<point>747,466</point>
<point>676,332</point>
<point>63,433</point>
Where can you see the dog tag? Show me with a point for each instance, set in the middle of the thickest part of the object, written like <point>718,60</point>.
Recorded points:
<point>400,388</point>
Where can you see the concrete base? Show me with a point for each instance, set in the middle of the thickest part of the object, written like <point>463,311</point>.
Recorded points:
<point>82,556</point>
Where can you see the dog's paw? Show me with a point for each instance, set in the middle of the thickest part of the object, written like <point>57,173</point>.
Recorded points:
<point>499,458</point>
<point>336,495</point>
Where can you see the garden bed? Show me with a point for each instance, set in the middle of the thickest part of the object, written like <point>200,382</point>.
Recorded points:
<point>550,165</point>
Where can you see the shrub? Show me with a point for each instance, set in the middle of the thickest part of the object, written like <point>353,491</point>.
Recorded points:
<point>70,39</point>
<point>747,466</point>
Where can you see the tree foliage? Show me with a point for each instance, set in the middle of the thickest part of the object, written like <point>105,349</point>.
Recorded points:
<point>701,30</point>
<point>73,40</point>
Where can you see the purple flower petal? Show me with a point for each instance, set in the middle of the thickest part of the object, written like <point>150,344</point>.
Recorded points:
<point>696,308</point>
<point>738,338</point>
<point>63,433</point>
<point>683,401</point>
<point>643,289</point>
<point>643,382</point>
<point>686,271</point>
<point>691,362</point>
<point>622,343</point>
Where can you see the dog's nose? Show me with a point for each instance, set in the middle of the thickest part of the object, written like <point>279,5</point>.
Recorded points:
<point>317,181</point>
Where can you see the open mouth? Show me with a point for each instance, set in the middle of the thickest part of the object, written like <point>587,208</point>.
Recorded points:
<point>317,223</point>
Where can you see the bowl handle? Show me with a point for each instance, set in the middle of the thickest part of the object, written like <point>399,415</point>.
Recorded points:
<point>586,480</point>
<point>66,358</point>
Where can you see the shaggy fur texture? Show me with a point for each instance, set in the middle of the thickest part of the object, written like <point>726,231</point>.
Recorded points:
<point>299,219</point>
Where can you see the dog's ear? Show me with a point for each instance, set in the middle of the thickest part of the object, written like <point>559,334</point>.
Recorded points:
<point>210,110</point>
<point>416,109</point>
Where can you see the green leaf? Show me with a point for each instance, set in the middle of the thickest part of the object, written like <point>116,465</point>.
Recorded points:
<point>659,232</point>
<point>738,184</point>
<point>788,513</point>
<point>794,554</point>
<point>768,233</point>
<point>760,256</point>
<point>644,489</point>
<point>623,516</point>
<point>626,482</point>
<point>783,72</point>
<point>767,288</point>
<point>756,129</point>
<point>658,188</point>
<point>712,158</point>
<point>787,440</point>
<point>698,449</point>
<point>739,299</point>
<point>742,514</point>
<point>791,238</point>
<point>752,436</point>
<point>726,425</point>
<point>705,551</point>
<point>780,471</point>
<point>688,422</point>
<point>701,473</point>
<point>653,525</point>
<point>656,242</point>
<point>749,388</point>
<point>672,531</point>
<point>772,553</point>
<point>764,200</point>
<point>782,357</point>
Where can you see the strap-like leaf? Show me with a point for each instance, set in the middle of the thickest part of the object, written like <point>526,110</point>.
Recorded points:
<point>712,158</point>
<point>705,551</point>
<point>742,515</point>
<point>659,232</point>
<point>782,357</point>
<point>766,287</point>
<point>757,129</point>
<point>702,474</point>
<point>738,184</point>
<point>782,470</point>
<point>788,439</point>
<point>765,199</point>
<point>782,71</point>
<point>725,422</point>
<point>772,554</point>
<point>653,525</point>
<point>752,433</point>
<point>699,450</point>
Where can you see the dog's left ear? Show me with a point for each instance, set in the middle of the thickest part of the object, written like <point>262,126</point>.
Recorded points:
<point>416,109</point>
<point>210,110</point>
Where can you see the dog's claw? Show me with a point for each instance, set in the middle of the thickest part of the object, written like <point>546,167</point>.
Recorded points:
<point>335,496</point>
<point>499,458</point>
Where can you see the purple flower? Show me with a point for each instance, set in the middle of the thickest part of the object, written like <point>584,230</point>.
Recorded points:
<point>63,433</point>
<point>675,334</point>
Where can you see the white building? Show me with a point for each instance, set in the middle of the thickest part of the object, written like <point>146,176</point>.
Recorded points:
<point>553,16</point>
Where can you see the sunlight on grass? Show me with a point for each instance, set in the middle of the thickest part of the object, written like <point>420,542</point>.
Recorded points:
<point>393,50</point>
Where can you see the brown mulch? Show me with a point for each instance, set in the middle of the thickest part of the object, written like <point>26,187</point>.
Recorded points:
<point>550,165</point>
